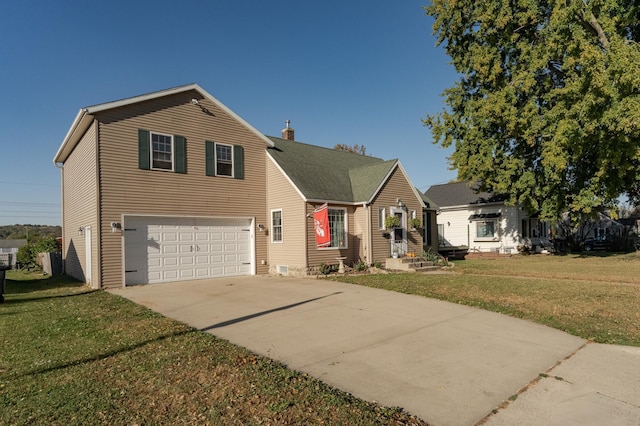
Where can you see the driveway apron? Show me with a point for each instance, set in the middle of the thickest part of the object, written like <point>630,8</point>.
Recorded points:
<point>448,364</point>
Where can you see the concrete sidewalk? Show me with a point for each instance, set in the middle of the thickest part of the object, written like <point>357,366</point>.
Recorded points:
<point>448,364</point>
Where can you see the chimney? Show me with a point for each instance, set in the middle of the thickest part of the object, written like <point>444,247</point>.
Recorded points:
<point>287,132</point>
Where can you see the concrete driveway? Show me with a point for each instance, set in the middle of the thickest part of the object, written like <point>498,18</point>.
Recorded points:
<point>448,364</point>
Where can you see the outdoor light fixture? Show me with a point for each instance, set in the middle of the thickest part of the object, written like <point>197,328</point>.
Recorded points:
<point>115,226</point>
<point>260,227</point>
<point>81,231</point>
<point>197,103</point>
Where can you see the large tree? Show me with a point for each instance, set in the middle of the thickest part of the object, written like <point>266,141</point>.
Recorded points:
<point>547,106</point>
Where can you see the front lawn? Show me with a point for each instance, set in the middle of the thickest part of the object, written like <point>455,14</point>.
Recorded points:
<point>72,356</point>
<point>593,297</point>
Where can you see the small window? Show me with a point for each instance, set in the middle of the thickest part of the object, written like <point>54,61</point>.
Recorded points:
<point>276,226</point>
<point>224,160</point>
<point>382,213</point>
<point>161,151</point>
<point>441,234</point>
<point>486,230</point>
<point>337,228</point>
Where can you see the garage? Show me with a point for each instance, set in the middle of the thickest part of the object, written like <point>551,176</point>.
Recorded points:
<point>163,249</point>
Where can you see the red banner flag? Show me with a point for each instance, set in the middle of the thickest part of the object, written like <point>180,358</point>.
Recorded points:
<point>321,226</point>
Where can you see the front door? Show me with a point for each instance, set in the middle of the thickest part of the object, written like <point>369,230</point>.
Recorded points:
<point>399,234</point>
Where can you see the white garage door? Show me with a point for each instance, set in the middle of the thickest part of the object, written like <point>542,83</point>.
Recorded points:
<point>162,249</point>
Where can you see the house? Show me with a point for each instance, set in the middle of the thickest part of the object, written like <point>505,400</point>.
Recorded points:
<point>10,248</point>
<point>570,236</point>
<point>482,222</point>
<point>360,192</point>
<point>173,185</point>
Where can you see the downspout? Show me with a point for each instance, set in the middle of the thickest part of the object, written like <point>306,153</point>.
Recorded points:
<point>61,167</point>
<point>367,251</point>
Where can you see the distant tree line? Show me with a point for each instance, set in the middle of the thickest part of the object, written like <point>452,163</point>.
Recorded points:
<point>29,232</point>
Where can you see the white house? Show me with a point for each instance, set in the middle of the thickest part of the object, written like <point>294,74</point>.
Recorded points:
<point>483,222</point>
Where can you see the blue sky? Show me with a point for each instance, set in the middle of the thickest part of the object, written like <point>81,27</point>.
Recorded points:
<point>348,72</point>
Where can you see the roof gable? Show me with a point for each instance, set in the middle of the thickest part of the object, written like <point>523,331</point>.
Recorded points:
<point>460,194</point>
<point>326,174</point>
<point>85,117</point>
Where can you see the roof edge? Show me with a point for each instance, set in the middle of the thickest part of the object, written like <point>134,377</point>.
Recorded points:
<point>85,117</point>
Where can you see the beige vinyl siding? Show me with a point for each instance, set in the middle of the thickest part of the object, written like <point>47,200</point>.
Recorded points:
<point>126,189</point>
<point>396,187</point>
<point>319,256</point>
<point>282,195</point>
<point>360,234</point>
<point>80,203</point>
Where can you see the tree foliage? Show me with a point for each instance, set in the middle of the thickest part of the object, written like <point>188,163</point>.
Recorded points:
<point>356,149</point>
<point>547,106</point>
<point>33,232</point>
<point>27,255</point>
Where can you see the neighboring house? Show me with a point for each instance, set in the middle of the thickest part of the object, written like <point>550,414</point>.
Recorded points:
<point>11,247</point>
<point>173,185</point>
<point>570,237</point>
<point>482,221</point>
<point>360,191</point>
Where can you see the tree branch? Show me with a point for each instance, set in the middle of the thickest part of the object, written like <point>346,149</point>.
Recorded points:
<point>604,40</point>
<point>597,29</point>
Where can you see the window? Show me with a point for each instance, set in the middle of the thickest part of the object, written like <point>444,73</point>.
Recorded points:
<point>441,234</point>
<point>161,151</point>
<point>224,160</point>
<point>276,226</point>
<point>158,151</point>
<point>337,228</point>
<point>486,230</point>
<point>426,228</point>
<point>382,213</point>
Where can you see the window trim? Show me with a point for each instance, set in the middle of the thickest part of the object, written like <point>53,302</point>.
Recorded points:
<point>215,159</point>
<point>346,229</point>
<point>173,152</point>
<point>273,240</point>
<point>496,230</point>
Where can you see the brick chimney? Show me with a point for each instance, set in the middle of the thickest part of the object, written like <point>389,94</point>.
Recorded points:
<point>287,132</point>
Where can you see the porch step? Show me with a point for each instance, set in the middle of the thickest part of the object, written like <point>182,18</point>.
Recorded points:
<point>411,264</point>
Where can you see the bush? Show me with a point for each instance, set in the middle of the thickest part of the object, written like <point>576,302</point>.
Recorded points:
<point>360,266</point>
<point>436,258</point>
<point>27,255</point>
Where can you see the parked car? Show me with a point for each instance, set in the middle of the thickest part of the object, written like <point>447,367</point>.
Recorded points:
<point>604,242</point>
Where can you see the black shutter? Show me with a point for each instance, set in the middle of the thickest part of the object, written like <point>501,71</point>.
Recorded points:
<point>180,157</point>
<point>210,153</point>
<point>238,162</point>
<point>144,157</point>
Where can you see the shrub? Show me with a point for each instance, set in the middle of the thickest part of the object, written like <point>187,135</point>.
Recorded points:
<point>28,254</point>
<point>360,266</point>
<point>436,258</point>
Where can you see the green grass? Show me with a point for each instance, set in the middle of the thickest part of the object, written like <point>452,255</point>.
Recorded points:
<point>593,297</point>
<point>72,356</point>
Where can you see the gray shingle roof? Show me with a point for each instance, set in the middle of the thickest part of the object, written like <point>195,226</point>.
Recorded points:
<point>326,174</point>
<point>460,194</point>
<point>12,243</point>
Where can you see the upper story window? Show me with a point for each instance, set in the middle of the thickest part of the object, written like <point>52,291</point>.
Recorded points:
<point>224,160</point>
<point>276,226</point>
<point>161,151</point>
